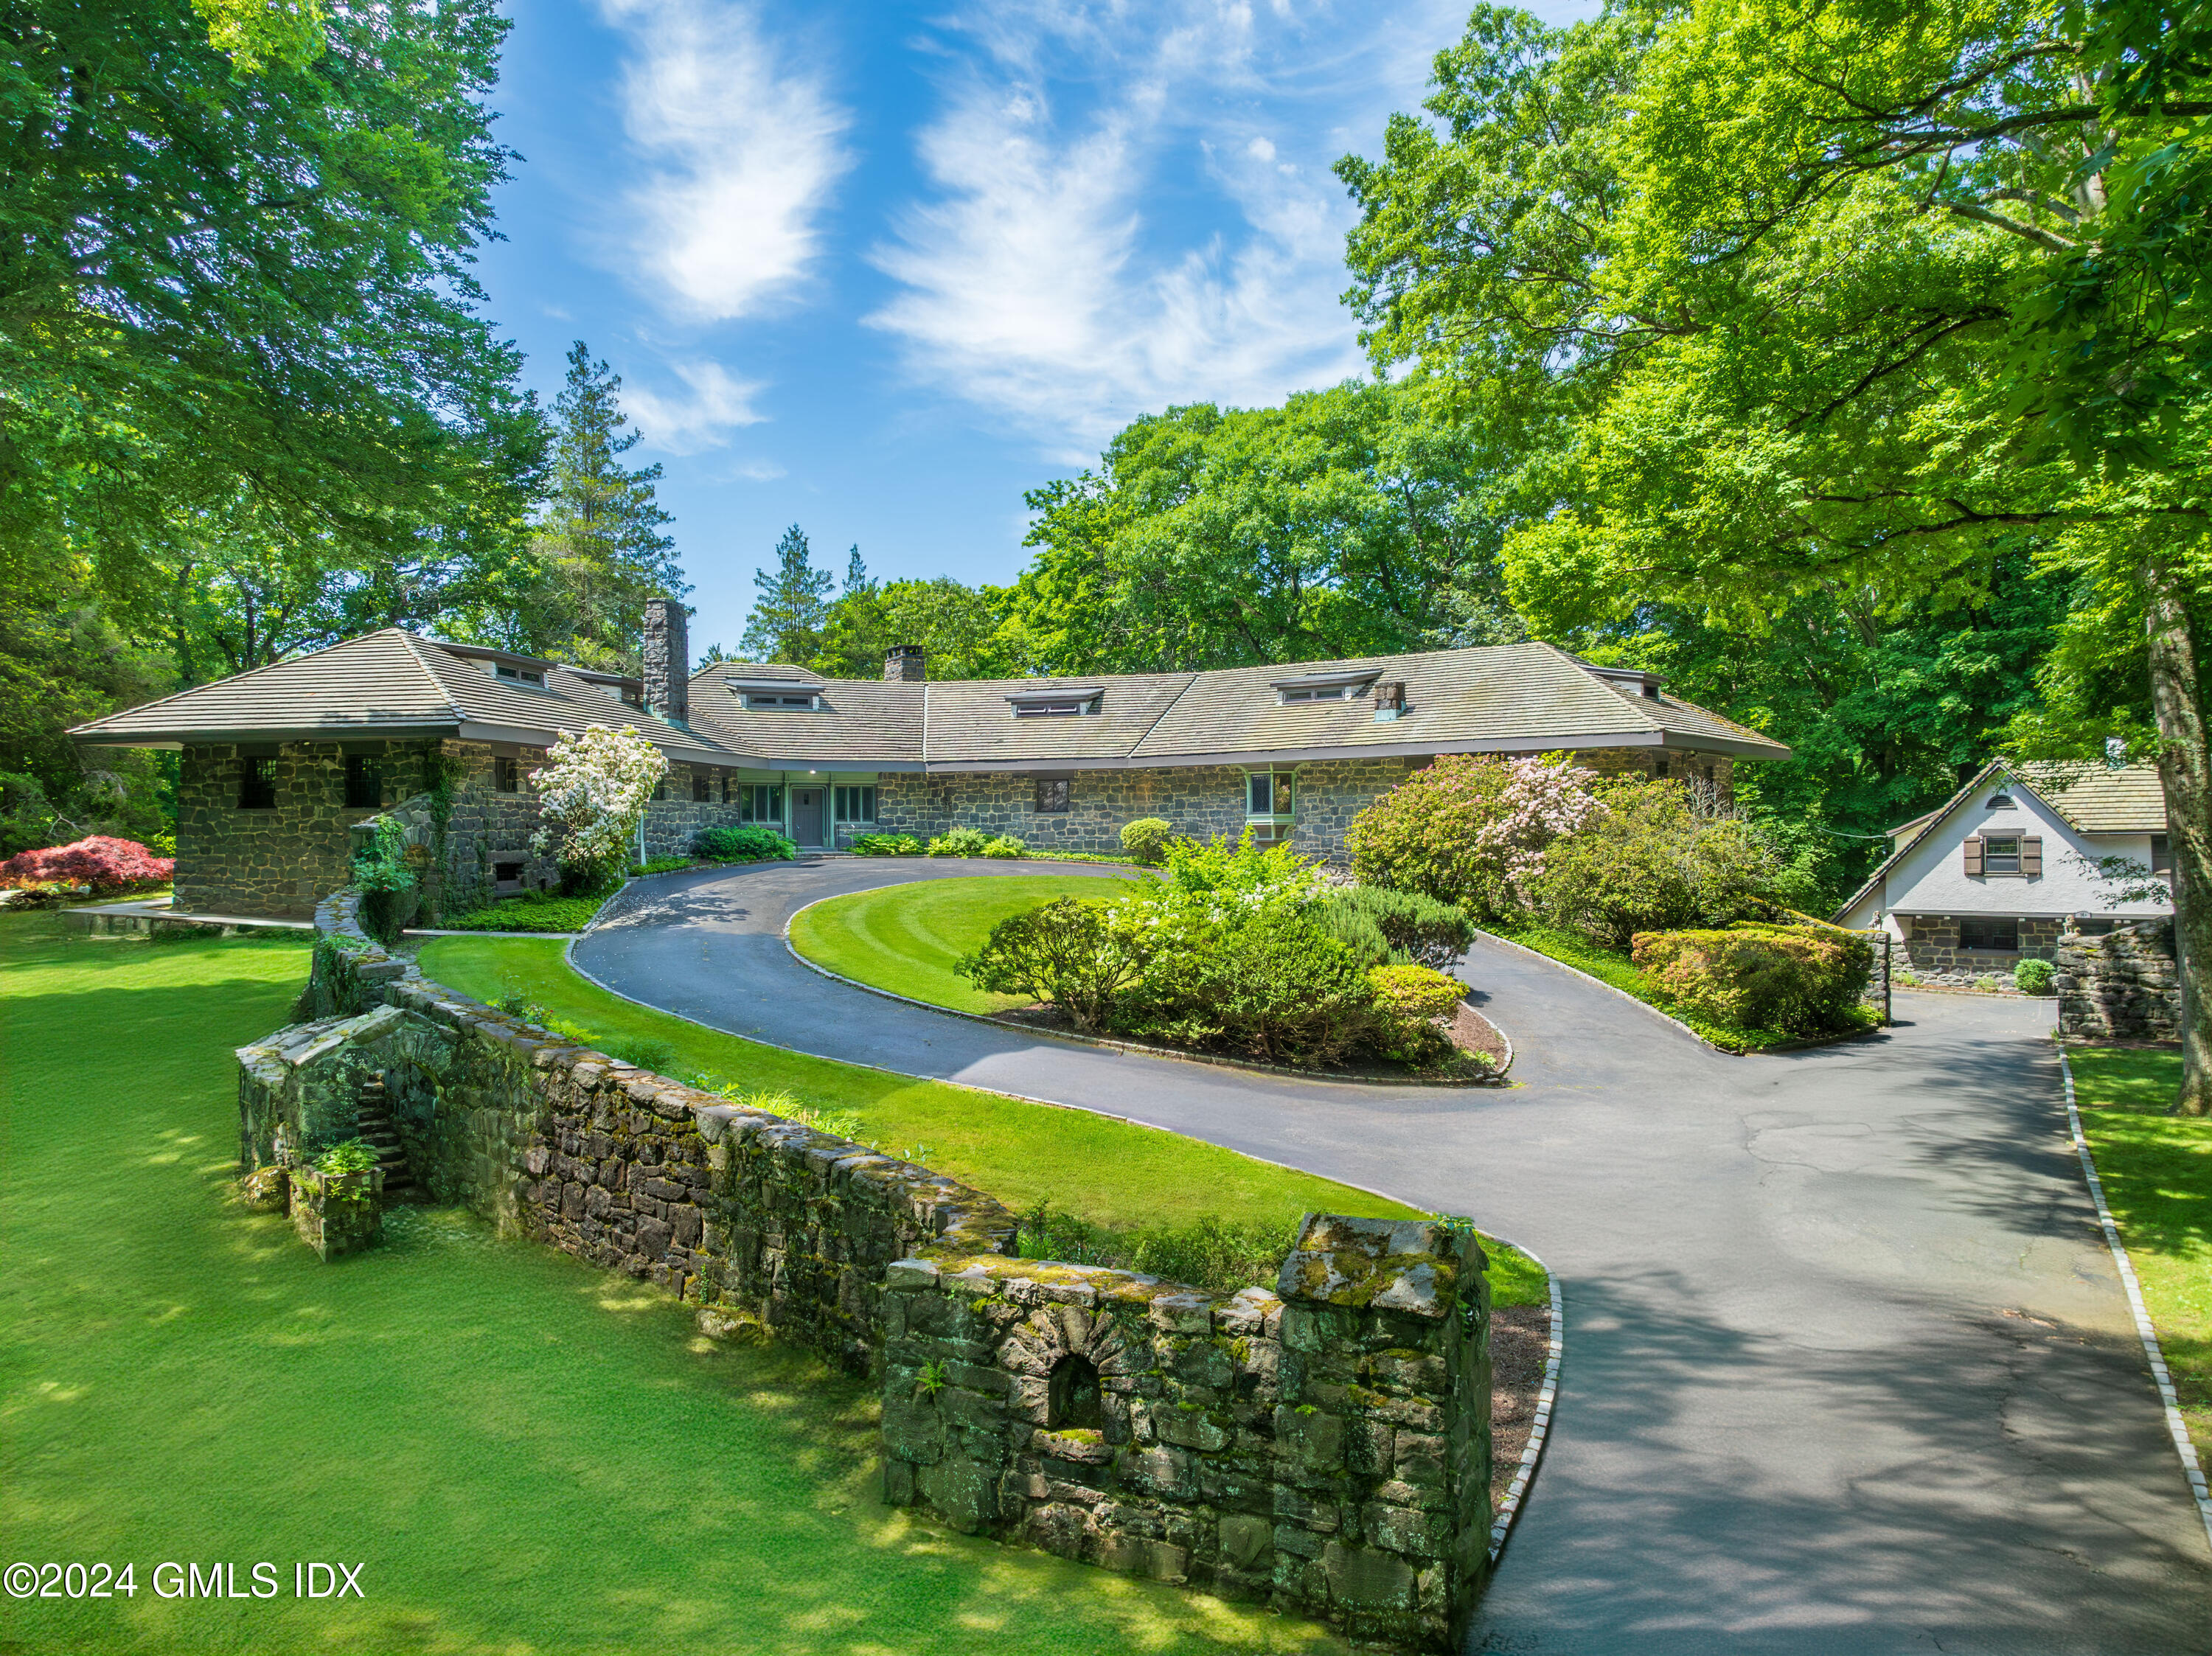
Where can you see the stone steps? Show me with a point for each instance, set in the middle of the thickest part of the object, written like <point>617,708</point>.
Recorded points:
<point>372,1122</point>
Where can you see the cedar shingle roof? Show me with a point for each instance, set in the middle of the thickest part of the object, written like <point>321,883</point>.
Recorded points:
<point>2099,798</point>
<point>1506,698</point>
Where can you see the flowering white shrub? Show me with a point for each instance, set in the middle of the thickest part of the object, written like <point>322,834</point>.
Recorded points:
<point>593,790</point>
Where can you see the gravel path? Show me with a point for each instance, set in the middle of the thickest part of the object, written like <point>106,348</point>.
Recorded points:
<point>1848,1367</point>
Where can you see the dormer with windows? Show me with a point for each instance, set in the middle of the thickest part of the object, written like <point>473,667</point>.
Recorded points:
<point>1056,701</point>
<point>776,695</point>
<point>1324,687</point>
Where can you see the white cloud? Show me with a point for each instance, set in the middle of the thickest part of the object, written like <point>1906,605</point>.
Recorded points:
<point>1132,204</point>
<point>741,146</point>
<point>711,405</point>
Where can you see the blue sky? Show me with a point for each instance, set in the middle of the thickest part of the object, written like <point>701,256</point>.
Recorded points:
<point>878,269</point>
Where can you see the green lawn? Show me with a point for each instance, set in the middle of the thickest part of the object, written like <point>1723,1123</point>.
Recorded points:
<point>527,1455</point>
<point>2156,1170</point>
<point>905,937</point>
<point>1109,1173</point>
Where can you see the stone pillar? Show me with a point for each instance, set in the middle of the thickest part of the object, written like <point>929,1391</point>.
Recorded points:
<point>905,664</point>
<point>667,660</point>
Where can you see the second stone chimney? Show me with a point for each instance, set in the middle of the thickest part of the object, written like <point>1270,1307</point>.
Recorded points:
<point>905,664</point>
<point>667,660</point>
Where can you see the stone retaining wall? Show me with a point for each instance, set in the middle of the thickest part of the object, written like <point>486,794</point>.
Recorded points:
<point>2123,986</point>
<point>1933,954</point>
<point>1324,1446</point>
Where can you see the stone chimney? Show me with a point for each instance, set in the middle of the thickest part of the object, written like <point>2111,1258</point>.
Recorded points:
<point>905,664</point>
<point>667,660</point>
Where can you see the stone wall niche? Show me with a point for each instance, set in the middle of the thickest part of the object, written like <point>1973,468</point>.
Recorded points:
<point>1323,1447</point>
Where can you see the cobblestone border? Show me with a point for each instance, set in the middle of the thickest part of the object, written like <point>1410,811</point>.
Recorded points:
<point>1540,1429</point>
<point>1495,1078</point>
<point>2176,1427</point>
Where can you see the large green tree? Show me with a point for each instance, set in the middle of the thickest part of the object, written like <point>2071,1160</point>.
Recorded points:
<point>791,605</point>
<point>250,276</point>
<point>1837,304</point>
<point>1345,522</point>
<point>577,592</point>
<point>957,626</point>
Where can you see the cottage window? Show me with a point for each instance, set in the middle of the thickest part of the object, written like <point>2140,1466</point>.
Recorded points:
<point>853,804</point>
<point>506,775</point>
<point>364,782</point>
<point>1054,793</point>
<point>1982,931</point>
<point>703,788</point>
<point>257,783</point>
<point>1270,794</point>
<point>2001,854</point>
<point>762,802</point>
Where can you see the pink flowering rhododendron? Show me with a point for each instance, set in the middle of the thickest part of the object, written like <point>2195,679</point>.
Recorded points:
<point>1543,800</point>
<point>103,863</point>
<point>593,791</point>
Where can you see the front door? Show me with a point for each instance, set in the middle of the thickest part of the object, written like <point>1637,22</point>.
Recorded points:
<point>806,815</point>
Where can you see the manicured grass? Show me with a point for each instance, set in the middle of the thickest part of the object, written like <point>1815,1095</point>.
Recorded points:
<point>2156,1170</point>
<point>905,937</point>
<point>1623,974</point>
<point>525,1455</point>
<point>1108,1173</point>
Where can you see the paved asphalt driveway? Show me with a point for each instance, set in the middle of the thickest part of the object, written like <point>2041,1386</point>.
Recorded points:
<point>1848,1367</point>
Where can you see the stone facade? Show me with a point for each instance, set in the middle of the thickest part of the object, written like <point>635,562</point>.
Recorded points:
<point>1196,800</point>
<point>278,859</point>
<point>1325,1446</point>
<point>2122,985</point>
<point>1933,954</point>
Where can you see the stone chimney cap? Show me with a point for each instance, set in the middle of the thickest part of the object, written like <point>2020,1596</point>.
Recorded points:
<point>905,662</point>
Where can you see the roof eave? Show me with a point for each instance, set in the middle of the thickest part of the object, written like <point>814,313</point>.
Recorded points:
<point>92,735</point>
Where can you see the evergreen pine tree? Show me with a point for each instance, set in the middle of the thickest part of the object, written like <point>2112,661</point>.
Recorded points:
<point>600,551</point>
<point>792,606</point>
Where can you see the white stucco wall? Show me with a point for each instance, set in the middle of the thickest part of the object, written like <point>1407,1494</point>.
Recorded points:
<point>1932,877</point>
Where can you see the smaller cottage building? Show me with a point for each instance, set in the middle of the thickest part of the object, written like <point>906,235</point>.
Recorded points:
<point>1988,878</point>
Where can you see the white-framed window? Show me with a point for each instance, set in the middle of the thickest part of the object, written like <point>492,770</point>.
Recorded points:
<point>519,675</point>
<point>1072,708</point>
<point>1317,693</point>
<point>852,804</point>
<point>763,699</point>
<point>762,802</point>
<point>2001,854</point>
<point>1270,796</point>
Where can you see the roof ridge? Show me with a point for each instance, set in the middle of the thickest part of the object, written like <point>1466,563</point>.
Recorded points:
<point>1173,702</point>
<point>438,685</point>
<point>1586,673</point>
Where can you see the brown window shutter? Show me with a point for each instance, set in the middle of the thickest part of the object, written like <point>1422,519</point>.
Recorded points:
<point>1974,849</point>
<point>2031,856</point>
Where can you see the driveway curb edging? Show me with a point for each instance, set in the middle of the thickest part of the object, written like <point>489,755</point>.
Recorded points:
<point>2178,1429</point>
<point>1496,1077</point>
<point>1540,1429</point>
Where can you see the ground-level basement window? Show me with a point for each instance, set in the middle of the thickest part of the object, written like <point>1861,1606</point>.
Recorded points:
<point>853,804</point>
<point>364,782</point>
<point>1981,931</point>
<point>257,783</point>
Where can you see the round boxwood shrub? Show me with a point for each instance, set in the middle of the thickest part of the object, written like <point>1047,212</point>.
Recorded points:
<point>2033,976</point>
<point>1146,838</point>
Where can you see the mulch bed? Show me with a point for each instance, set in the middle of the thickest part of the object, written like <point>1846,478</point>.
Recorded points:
<point>1470,1032</point>
<point>1520,1344</point>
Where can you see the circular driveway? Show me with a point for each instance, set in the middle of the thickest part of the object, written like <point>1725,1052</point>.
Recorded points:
<point>1848,1367</point>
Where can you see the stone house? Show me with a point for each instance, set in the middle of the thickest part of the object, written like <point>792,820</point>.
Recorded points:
<point>1990,877</point>
<point>279,763</point>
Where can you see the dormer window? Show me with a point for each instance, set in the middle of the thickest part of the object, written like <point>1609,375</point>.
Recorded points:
<point>518,675</point>
<point>780,701</point>
<point>1324,687</point>
<point>1055,702</point>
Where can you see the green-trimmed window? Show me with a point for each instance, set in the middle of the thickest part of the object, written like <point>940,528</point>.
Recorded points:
<point>1270,796</point>
<point>853,804</point>
<point>762,802</point>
